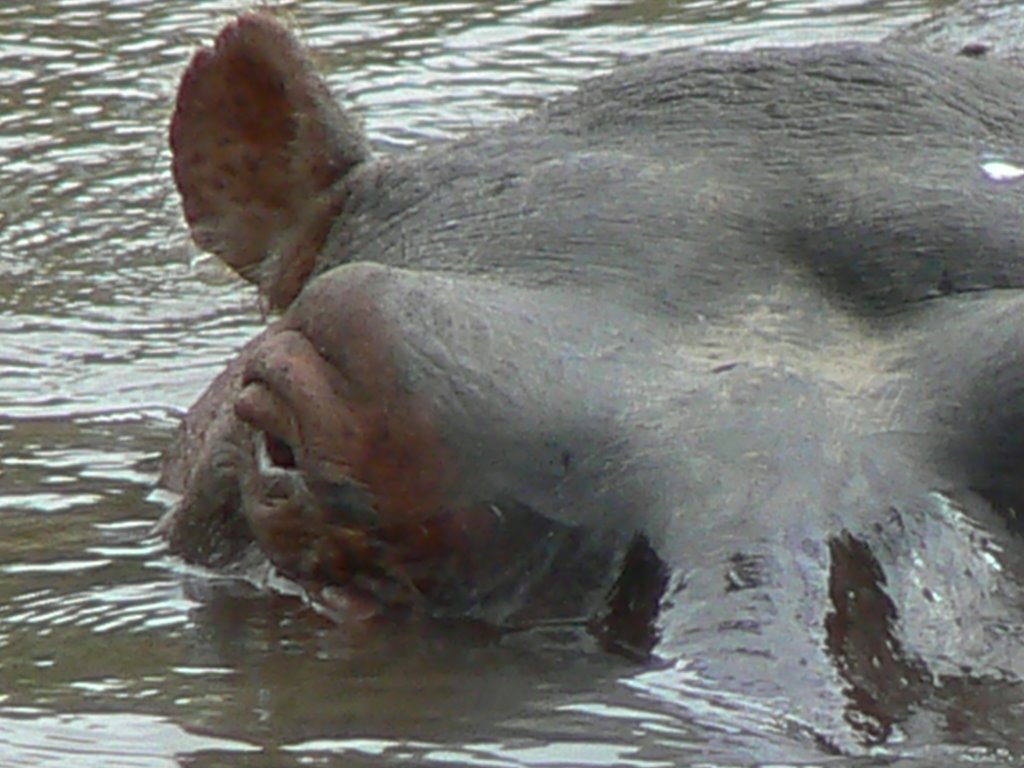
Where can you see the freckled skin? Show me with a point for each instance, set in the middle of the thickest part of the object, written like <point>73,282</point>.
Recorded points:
<point>719,354</point>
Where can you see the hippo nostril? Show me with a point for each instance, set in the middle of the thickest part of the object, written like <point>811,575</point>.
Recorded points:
<point>279,452</point>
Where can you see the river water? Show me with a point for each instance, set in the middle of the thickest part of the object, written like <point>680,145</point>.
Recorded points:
<point>111,324</point>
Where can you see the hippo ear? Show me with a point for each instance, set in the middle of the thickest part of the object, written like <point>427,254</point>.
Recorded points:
<point>258,143</point>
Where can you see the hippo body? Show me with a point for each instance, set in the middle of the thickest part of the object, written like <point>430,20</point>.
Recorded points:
<point>719,354</point>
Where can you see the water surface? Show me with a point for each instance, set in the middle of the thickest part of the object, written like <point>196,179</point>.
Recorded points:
<point>111,324</point>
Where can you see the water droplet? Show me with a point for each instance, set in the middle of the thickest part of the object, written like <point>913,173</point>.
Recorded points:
<point>998,170</point>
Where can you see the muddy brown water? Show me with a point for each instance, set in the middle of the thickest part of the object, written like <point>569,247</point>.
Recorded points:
<point>111,654</point>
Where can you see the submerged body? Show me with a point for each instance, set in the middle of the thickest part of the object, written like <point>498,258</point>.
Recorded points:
<point>719,354</point>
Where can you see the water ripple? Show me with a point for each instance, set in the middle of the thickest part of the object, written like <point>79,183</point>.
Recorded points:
<point>125,740</point>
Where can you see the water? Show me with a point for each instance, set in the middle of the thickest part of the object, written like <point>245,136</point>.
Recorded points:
<point>111,324</point>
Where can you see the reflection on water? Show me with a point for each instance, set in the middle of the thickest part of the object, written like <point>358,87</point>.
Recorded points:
<point>110,325</point>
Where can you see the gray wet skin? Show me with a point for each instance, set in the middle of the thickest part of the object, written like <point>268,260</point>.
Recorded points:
<point>754,316</point>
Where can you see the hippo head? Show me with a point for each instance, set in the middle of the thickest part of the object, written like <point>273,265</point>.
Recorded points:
<point>720,352</point>
<point>313,451</point>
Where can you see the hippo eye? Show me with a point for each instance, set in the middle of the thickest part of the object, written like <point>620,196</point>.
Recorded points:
<point>278,451</point>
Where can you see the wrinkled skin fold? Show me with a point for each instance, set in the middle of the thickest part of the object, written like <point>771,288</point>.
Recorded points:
<point>719,355</point>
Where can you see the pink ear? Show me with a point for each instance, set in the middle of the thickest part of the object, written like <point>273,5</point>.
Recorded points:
<point>258,142</point>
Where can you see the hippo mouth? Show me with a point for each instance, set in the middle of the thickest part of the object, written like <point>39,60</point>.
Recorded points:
<point>312,496</point>
<point>349,493</point>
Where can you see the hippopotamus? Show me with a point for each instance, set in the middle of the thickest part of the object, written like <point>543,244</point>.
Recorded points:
<point>719,355</point>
